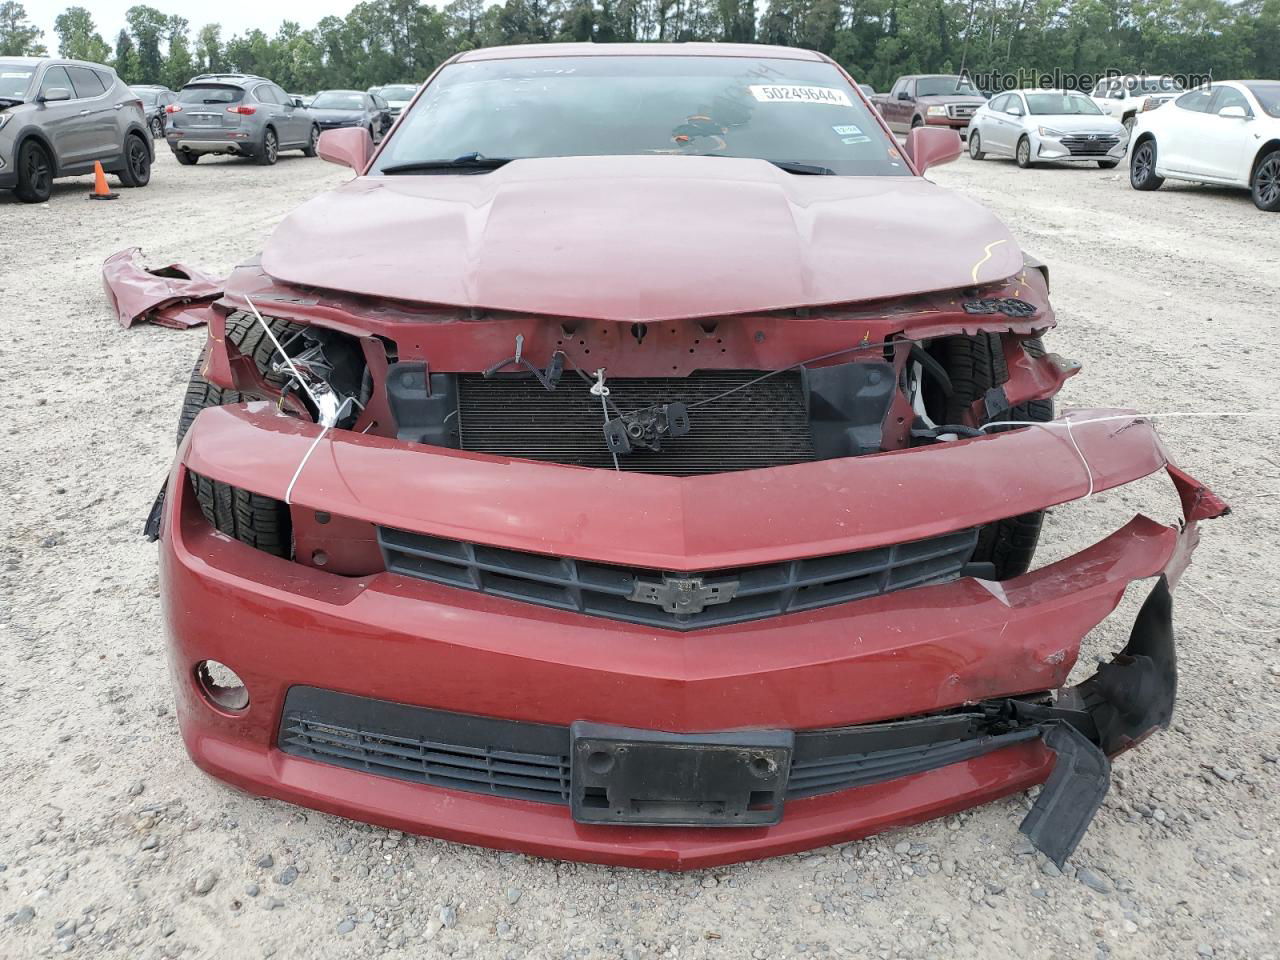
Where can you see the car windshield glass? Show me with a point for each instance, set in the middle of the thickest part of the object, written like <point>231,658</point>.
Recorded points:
<point>211,95</point>
<point>338,101</point>
<point>1059,104</point>
<point>1268,95</point>
<point>403,92</point>
<point>941,86</point>
<point>1154,85</point>
<point>796,111</point>
<point>13,81</point>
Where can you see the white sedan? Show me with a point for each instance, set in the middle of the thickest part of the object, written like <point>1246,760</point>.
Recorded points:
<point>1225,132</point>
<point>1034,125</point>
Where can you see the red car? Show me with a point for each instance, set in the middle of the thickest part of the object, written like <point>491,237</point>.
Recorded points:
<point>640,462</point>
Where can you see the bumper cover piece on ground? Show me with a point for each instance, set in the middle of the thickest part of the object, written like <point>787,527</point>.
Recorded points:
<point>174,296</point>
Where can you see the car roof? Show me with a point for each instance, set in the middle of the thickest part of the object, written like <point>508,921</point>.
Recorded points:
<point>1026,90</point>
<point>54,61</point>
<point>533,50</point>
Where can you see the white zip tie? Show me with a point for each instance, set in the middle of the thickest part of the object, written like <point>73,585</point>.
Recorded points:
<point>288,494</point>
<point>287,359</point>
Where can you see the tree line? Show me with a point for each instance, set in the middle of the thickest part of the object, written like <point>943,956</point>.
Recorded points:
<point>402,41</point>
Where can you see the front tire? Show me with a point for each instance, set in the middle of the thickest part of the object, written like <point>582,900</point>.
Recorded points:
<point>1142,167</point>
<point>312,148</point>
<point>261,522</point>
<point>975,365</point>
<point>975,146</point>
<point>270,152</point>
<point>157,128</point>
<point>137,163</point>
<point>35,174</point>
<point>187,158</point>
<point>1022,155</point>
<point>1265,184</point>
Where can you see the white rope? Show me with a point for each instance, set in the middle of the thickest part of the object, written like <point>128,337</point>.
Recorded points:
<point>1068,424</point>
<point>288,494</point>
<point>287,359</point>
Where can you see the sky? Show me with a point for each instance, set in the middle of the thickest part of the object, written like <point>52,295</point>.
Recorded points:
<point>236,16</point>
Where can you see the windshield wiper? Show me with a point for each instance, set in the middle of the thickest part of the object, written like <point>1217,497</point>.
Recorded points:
<point>11,102</point>
<point>467,163</point>
<point>804,169</point>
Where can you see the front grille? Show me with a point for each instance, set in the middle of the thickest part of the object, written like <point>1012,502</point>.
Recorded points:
<point>961,111</point>
<point>603,590</point>
<point>457,751</point>
<point>763,424</point>
<point>529,761</point>
<point>1083,145</point>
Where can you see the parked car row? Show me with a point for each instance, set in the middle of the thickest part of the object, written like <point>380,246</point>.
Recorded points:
<point>58,117</point>
<point>1224,132</point>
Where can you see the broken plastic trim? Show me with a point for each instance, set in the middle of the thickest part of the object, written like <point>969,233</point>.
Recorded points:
<point>1124,702</point>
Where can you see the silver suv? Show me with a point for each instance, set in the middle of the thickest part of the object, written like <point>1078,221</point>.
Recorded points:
<point>238,114</point>
<point>58,116</point>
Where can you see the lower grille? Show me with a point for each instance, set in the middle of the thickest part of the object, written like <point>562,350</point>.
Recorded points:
<point>458,751</point>
<point>763,424</point>
<point>638,595</point>
<point>527,761</point>
<point>1085,146</point>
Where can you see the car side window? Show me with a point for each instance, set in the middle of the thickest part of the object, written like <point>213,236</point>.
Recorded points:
<point>1014,107</point>
<point>997,104</point>
<point>1229,97</point>
<point>263,94</point>
<point>1196,101</point>
<point>280,96</point>
<point>87,84</point>
<point>1116,92</point>
<point>56,77</point>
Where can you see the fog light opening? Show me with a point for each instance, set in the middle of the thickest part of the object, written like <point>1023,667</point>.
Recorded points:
<point>221,686</point>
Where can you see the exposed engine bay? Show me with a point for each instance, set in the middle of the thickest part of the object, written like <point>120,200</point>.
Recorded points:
<point>686,398</point>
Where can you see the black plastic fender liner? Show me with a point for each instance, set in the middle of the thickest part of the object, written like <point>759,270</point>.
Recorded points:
<point>1072,794</point>
<point>1126,700</point>
<point>1134,694</point>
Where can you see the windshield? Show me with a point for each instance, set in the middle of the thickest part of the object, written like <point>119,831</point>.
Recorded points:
<point>1061,104</point>
<point>941,86</point>
<point>1154,85</point>
<point>1268,94</point>
<point>338,101</point>
<point>14,80</point>
<point>794,111</point>
<point>210,95</point>
<point>401,92</point>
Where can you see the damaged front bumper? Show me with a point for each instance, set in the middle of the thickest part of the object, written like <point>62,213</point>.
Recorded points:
<point>487,720</point>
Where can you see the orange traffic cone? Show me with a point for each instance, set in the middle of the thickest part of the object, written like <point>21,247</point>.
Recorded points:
<point>100,191</point>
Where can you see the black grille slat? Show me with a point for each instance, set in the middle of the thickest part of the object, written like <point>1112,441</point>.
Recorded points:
<point>603,590</point>
<point>1082,146</point>
<point>765,424</point>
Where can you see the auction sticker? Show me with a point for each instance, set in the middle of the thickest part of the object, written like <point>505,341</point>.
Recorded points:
<point>847,131</point>
<point>777,93</point>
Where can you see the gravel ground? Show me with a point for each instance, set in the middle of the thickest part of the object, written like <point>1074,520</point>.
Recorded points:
<point>113,844</point>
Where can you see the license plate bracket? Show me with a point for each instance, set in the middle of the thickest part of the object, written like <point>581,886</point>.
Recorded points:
<point>622,775</point>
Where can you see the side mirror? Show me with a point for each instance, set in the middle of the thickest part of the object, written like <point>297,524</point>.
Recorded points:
<point>932,147</point>
<point>347,146</point>
<point>1235,112</point>
<point>54,94</point>
<point>1015,111</point>
<point>903,95</point>
<point>297,102</point>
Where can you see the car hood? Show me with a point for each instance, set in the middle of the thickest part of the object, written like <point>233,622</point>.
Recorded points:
<point>1076,123</point>
<point>639,238</point>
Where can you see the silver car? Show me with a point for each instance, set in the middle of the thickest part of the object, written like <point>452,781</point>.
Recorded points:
<point>1036,125</point>
<point>237,114</point>
<point>57,117</point>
